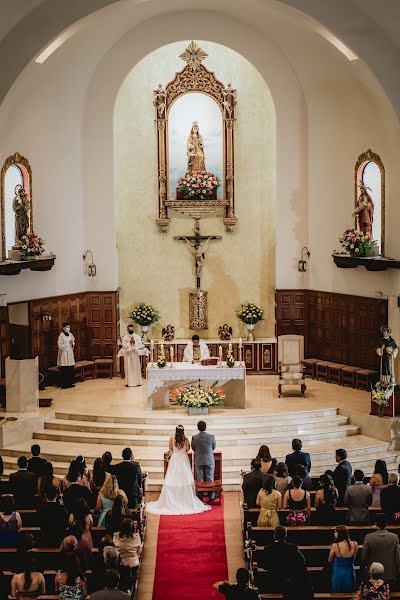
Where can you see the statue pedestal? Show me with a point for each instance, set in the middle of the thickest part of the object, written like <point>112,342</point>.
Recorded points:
<point>22,385</point>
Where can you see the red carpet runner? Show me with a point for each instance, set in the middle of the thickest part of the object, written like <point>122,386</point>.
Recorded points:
<point>191,556</point>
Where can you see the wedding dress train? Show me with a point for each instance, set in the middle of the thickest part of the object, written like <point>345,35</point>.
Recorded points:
<point>178,495</point>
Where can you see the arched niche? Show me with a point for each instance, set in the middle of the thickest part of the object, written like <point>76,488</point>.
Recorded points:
<point>16,170</point>
<point>370,172</point>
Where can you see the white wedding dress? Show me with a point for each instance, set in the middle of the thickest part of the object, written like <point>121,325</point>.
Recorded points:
<point>178,495</point>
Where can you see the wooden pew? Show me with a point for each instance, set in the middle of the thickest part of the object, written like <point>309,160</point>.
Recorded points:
<point>250,515</point>
<point>326,596</point>
<point>49,575</point>
<point>265,581</point>
<point>311,535</point>
<point>46,558</point>
<point>316,556</point>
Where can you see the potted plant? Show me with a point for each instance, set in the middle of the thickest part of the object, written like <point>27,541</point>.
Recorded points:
<point>356,243</point>
<point>250,314</point>
<point>198,398</point>
<point>32,246</point>
<point>144,315</point>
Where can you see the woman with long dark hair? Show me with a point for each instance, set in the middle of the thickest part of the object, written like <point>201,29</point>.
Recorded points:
<point>82,517</point>
<point>98,476</point>
<point>10,521</point>
<point>268,464</point>
<point>325,500</point>
<point>28,584</point>
<point>129,545</point>
<point>178,496</point>
<point>342,555</point>
<point>70,581</point>
<point>379,481</point>
<point>117,514</point>
<point>46,480</point>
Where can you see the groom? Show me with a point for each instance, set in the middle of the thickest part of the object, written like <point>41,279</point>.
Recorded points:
<point>203,446</point>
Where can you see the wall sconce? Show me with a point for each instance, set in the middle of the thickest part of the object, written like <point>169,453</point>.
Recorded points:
<point>46,317</point>
<point>305,255</point>
<point>91,267</point>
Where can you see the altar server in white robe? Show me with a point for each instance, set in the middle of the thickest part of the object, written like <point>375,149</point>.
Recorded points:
<point>65,357</point>
<point>131,343</point>
<point>196,351</point>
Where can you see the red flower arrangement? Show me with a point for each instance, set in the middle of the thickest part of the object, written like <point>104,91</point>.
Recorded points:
<point>31,245</point>
<point>198,186</point>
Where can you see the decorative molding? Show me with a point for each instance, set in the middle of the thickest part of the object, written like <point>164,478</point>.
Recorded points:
<point>362,160</point>
<point>20,161</point>
<point>195,77</point>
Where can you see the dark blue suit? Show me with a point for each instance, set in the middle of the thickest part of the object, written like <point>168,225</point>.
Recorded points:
<point>298,458</point>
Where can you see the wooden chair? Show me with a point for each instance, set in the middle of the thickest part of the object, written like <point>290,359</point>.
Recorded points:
<point>53,376</point>
<point>366,379</point>
<point>290,362</point>
<point>104,367</point>
<point>309,367</point>
<point>335,373</point>
<point>349,375</point>
<point>321,370</point>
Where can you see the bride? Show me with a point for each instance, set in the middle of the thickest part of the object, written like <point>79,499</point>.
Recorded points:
<point>178,495</point>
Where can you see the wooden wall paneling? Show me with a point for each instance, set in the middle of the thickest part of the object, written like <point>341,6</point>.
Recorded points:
<point>4,338</point>
<point>250,356</point>
<point>104,324</point>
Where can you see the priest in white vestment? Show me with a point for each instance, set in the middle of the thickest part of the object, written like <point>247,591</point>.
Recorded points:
<point>196,351</point>
<point>65,357</point>
<point>131,343</point>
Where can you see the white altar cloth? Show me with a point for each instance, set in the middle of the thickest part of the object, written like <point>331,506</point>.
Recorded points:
<point>233,381</point>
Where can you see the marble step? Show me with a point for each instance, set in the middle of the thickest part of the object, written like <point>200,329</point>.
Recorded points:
<point>213,419</point>
<point>362,452</point>
<point>223,440</point>
<point>243,428</point>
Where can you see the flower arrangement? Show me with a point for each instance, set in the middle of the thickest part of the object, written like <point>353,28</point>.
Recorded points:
<point>296,518</point>
<point>381,393</point>
<point>144,314</point>
<point>230,361</point>
<point>200,396</point>
<point>161,362</point>
<point>356,242</point>
<point>31,245</point>
<point>250,313</point>
<point>198,186</point>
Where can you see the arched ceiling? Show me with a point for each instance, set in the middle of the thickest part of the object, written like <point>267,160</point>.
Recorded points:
<point>368,27</point>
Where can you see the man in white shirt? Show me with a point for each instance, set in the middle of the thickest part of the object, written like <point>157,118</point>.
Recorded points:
<point>131,343</point>
<point>65,358</point>
<point>196,351</point>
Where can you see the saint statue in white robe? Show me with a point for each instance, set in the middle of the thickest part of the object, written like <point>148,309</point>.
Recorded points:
<point>65,357</point>
<point>196,351</point>
<point>131,344</point>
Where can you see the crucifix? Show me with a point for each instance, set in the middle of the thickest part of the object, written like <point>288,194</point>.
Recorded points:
<point>199,243</point>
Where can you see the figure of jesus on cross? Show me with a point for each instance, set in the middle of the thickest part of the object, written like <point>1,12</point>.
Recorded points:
<point>199,244</point>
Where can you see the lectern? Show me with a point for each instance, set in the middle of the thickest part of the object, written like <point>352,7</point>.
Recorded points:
<point>22,385</point>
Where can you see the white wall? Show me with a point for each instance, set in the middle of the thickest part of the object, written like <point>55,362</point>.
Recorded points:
<point>328,111</point>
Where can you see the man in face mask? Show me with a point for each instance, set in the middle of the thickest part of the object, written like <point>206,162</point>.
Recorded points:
<point>65,359</point>
<point>131,343</point>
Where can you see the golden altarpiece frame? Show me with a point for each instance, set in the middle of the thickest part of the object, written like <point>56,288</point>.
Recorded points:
<point>362,161</point>
<point>23,164</point>
<point>195,77</point>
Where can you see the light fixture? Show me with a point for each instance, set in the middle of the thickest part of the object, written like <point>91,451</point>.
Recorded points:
<point>46,317</point>
<point>90,267</point>
<point>305,255</point>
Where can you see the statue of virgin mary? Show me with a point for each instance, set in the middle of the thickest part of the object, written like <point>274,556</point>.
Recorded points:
<point>195,150</point>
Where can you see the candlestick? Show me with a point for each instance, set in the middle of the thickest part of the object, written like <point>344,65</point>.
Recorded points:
<point>240,343</point>
<point>171,356</point>
<point>230,347</point>
<point>220,356</point>
<point>240,356</point>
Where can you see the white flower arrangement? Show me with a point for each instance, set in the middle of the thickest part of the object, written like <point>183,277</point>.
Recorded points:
<point>199,396</point>
<point>230,361</point>
<point>250,313</point>
<point>144,314</point>
<point>381,393</point>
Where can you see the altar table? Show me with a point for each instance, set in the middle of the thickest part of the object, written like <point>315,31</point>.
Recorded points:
<point>232,380</point>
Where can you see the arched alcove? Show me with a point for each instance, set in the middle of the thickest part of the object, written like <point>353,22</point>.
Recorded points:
<point>243,260</point>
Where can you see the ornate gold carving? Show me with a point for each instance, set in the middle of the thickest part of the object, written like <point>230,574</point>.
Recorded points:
<point>23,163</point>
<point>364,158</point>
<point>193,56</point>
<point>198,310</point>
<point>195,77</point>
<point>248,356</point>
